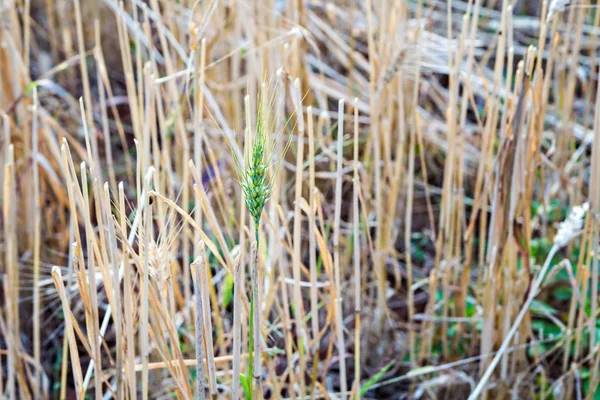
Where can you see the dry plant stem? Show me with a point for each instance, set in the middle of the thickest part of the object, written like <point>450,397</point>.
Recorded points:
<point>146,237</point>
<point>11,281</point>
<point>581,316</point>
<point>451,211</point>
<point>407,244</point>
<point>298,302</point>
<point>336,251</point>
<point>314,299</point>
<point>274,252</point>
<point>596,370</point>
<point>95,340</point>
<point>470,59</point>
<point>428,327</point>
<point>76,366</point>
<point>286,318</point>
<point>380,270</point>
<point>577,300</point>
<point>36,247</point>
<point>287,324</point>
<point>200,372</point>
<point>210,353</point>
<point>192,361</point>
<point>27,40</point>
<point>4,331</point>
<point>100,68</point>
<point>65,351</point>
<point>185,198</point>
<point>237,340</point>
<point>356,249</point>
<point>481,385</point>
<point>212,220</point>
<point>200,64</point>
<point>595,211</point>
<point>83,64</point>
<point>74,234</point>
<point>113,256</point>
<point>127,298</point>
<point>595,203</point>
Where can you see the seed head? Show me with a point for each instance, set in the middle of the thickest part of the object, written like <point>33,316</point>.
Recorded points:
<point>254,173</point>
<point>255,179</point>
<point>255,182</point>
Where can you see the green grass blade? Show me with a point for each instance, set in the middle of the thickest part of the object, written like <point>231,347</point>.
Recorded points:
<point>374,379</point>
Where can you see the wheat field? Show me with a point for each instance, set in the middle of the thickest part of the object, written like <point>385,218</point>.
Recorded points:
<point>308,199</point>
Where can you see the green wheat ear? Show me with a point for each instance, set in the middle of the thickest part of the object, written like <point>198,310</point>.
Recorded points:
<point>253,170</point>
<point>255,182</point>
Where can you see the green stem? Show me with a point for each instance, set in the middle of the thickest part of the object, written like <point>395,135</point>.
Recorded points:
<point>256,226</point>
<point>249,387</point>
<point>249,374</point>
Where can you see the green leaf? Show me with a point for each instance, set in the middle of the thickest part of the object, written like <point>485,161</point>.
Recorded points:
<point>586,389</point>
<point>542,308</point>
<point>376,378</point>
<point>563,293</point>
<point>245,386</point>
<point>537,349</point>
<point>228,291</point>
